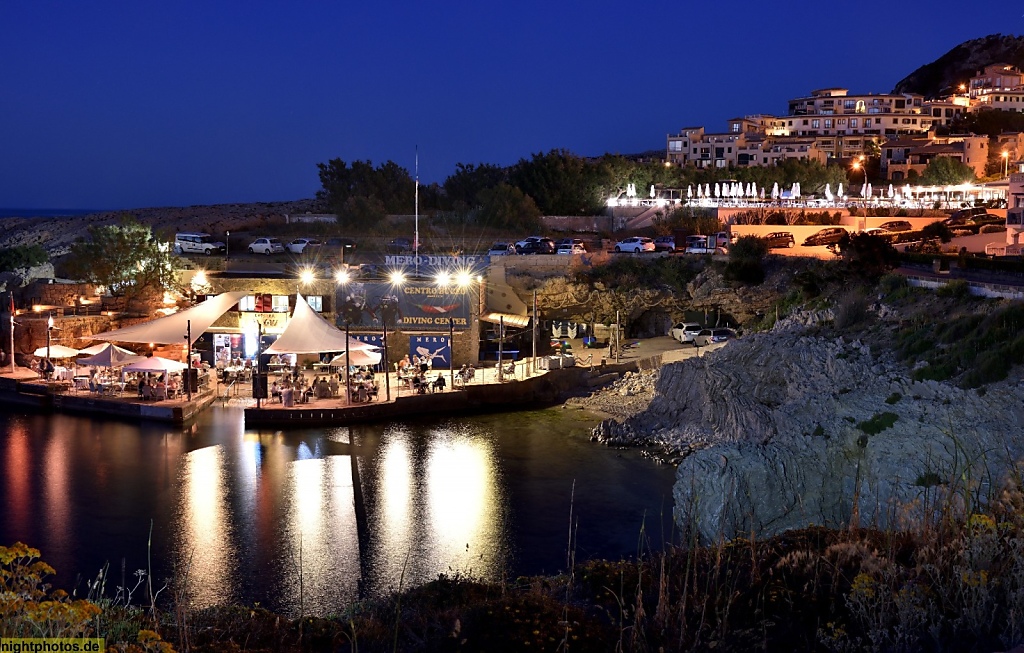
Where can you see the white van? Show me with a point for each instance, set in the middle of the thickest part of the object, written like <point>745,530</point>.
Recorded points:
<point>188,243</point>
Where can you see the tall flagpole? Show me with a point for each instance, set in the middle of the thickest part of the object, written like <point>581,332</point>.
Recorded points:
<point>12,332</point>
<point>416,235</point>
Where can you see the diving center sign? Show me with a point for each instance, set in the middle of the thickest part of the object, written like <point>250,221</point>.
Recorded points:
<point>406,308</point>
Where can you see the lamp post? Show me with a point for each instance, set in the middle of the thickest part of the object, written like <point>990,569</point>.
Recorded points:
<point>188,353</point>
<point>227,245</point>
<point>49,328</point>
<point>1006,162</point>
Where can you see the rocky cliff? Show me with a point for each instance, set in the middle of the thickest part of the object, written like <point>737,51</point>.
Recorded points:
<point>946,73</point>
<point>785,429</point>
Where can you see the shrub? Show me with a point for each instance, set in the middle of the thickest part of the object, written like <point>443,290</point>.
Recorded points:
<point>878,423</point>
<point>22,256</point>
<point>746,258</point>
<point>991,228</point>
<point>852,309</point>
<point>955,289</point>
<point>893,398</point>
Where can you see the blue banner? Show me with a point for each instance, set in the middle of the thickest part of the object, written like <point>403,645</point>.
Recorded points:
<point>437,349</point>
<point>410,307</point>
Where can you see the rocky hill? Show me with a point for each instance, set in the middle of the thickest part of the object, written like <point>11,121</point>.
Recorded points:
<point>57,234</point>
<point>946,73</point>
<point>786,429</point>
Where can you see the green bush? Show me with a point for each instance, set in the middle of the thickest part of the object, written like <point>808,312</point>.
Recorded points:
<point>956,289</point>
<point>22,256</point>
<point>878,423</point>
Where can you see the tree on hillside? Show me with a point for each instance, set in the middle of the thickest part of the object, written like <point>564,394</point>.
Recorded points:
<point>946,171</point>
<point>389,184</point>
<point>125,259</point>
<point>868,255</point>
<point>561,183</point>
<point>507,207</point>
<point>463,186</point>
<point>22,256</point>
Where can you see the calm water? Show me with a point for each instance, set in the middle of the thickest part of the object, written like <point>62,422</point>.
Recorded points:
<point>249,513</point>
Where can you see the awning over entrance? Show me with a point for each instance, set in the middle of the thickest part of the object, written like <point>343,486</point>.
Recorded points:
<point>516,321</point>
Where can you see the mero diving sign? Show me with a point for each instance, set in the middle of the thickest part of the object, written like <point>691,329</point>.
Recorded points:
<point>407,308</point>
<point>446,263</point>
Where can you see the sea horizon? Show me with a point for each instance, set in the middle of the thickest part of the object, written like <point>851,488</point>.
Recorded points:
<point>47,213</point>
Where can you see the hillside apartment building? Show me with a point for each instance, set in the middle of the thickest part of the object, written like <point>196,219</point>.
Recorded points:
<point>831,124</point>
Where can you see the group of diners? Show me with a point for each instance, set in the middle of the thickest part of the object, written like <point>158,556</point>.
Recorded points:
<point>295,388</point>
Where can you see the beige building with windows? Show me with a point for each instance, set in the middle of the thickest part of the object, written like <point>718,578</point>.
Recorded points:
<point>828,124</point>
<point>994,79</point>
<point>901,156</point>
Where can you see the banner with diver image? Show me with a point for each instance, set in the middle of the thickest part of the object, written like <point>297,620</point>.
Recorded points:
<point>367,305</point>
<point>436,349</point>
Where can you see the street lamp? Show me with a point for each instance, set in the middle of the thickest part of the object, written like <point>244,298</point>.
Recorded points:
<point>49,328</point>
<point>1006,162</point>
<point>227,245</point>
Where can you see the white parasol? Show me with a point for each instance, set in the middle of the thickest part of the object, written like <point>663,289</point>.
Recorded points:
<point>358,357</point>
<point>154,364</point>
<point>57,351</point>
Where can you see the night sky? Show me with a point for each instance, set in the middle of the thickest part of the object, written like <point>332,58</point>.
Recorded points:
<point>137,104</point>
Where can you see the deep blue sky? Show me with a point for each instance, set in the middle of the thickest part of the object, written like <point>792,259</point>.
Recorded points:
<point>137,104</point>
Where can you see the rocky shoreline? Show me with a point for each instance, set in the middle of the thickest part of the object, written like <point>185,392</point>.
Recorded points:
<point>786,429</point>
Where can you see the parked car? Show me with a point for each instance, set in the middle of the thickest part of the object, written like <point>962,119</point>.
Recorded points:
<point>779,239</point>
<point>703,245</point>
<point>685,331</point>
<point>896,226</point>
<point>336,243</point>
<point>665,244</point>
<point>191,243</point>
<point>501,249</point>
<point>711,336</point>
<point>528,239</point>
<point>635,244</point>
<point>573,248</point>
<point>540,246</point>
<point>830,236</point>
<point>569,241</point>
<point>266,246</point>
<point>398,246</point>
<point>304,246</point>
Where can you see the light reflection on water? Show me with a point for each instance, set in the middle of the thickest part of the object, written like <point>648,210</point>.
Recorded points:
<point>293,521</point>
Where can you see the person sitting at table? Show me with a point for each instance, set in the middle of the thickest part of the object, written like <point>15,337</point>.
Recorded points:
<point>275,392</point>
<point>403,365</point>
<point>439,383</point>
<point>172,387</point>
<point>161,388</point>
<point>333,385</point>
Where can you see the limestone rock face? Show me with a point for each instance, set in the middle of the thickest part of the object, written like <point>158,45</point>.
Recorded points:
<point>782,430</point>
<point>23,276</point>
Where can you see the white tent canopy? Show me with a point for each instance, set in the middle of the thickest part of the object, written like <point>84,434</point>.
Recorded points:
<point>309,333</point>
<point>359,357</point>
<point>57,351</point>
<point>92,350</point>
<point>154,364</point>
<point>109,356</point>
<point>170,329</point>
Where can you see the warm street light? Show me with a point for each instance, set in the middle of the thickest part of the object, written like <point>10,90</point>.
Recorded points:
<point>1006,162</point>
<point>49,366</point>
<point>307,276</point>
<point>341,276</point>
<point>859,165</point>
